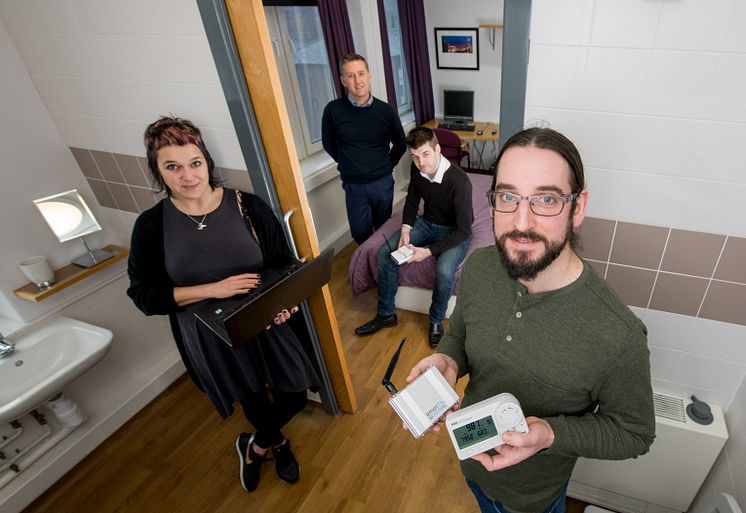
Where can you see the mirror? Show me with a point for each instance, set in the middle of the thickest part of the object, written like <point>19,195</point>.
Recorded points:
<point>67,215</point>
<point>69,218</point>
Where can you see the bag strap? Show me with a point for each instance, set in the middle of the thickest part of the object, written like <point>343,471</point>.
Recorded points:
<point>245,215</point>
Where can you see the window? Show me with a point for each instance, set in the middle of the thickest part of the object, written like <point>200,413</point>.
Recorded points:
<point>305,73</point>
<point>398,62</point>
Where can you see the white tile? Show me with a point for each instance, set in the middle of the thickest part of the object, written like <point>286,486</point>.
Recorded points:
<point>224,147</point>
<point>718,155</point>
<point>131,143</point>
<point>709,216</point>
<point>664,363</point>
<point>61,16</point>
<point>49,89</point>
<point>625,24</point>
<point>68,128</point>
<point>694,25</point>
<point>641,313</point>
<point>604,200</point>
<point>663,145</point>
<point>185,59</point>
<point>736,39</point>
<point>735,414</point>
<point>738,227</point>
<point>25,17</point>
<point>607,141</point>
<point>53,54</point>
<point>651,199</point>
<point>669,330</point>
<point>673,89</point>
<point>718,481</point>
<point>78,56</point>
<point>90,15</point>
<point>553,73</point>
<point>30,53</point>
<point>614,79</point>
<point>735,448</point>
<point>717,339</point>
<point>564,23</point>
<point>728,101</point>
<point>150,17</point>
<point>85,96</point>
<point>710,373</point>
<point>99,133</point>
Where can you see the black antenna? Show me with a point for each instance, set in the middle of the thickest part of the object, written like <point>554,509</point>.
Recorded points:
<point>388,246</point>
<point>386,381</point>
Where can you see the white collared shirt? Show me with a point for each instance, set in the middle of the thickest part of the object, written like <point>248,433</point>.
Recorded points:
<point>442,167</point>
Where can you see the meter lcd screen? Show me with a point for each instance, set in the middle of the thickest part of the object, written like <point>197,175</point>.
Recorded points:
<point>475,432</point>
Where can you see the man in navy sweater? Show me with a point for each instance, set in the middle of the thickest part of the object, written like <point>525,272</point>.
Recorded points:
<point>443,231</point>
<point>365,137</point>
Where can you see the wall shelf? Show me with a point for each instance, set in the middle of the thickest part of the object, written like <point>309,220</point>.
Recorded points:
<point>491,33</point>
<point>70,274</point>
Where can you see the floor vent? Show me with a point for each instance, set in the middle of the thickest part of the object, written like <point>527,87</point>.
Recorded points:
<point>668,407</point>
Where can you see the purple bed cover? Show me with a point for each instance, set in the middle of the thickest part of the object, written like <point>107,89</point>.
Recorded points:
<point>362,273</point>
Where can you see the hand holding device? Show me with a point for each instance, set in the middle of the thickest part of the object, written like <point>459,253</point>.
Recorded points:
<point>480,427</point>
<point>401,255</point>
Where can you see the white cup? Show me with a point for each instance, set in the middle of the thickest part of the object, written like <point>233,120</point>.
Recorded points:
<point>37,269</point>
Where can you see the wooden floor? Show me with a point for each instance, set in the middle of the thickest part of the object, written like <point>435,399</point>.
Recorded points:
<point>176,455</point>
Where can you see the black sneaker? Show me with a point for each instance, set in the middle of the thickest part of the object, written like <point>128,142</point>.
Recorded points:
<point>285,463</point>
<point>249,470</point>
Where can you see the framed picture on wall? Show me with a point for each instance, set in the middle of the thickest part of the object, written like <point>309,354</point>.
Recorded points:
<point>457,48</point>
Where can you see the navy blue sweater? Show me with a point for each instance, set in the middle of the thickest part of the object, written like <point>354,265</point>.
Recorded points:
<point>359,139</point>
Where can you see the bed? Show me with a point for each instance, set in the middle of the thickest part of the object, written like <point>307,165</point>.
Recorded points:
<point>416,280</point>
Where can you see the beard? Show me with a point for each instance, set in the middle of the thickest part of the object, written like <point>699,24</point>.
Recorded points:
<point>523,267</point>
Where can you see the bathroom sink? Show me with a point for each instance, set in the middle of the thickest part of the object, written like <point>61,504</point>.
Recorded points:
<point>46,359</point>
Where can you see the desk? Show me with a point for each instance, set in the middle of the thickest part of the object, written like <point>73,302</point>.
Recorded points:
<point>479,140</point>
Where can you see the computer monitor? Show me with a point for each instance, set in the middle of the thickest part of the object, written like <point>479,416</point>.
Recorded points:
<point>458,105</point>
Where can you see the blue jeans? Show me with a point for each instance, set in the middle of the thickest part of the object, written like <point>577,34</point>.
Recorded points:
<point>422,234</point>
<point>486,505</point>
<point>368,206</point>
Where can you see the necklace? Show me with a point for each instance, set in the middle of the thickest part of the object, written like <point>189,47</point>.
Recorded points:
<point>201,223</point>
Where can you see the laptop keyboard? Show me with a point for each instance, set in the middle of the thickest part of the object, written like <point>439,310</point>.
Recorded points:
<point>460,127</point>
<point>267,282</point>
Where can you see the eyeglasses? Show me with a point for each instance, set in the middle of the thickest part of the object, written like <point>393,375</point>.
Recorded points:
<point>546,205</point>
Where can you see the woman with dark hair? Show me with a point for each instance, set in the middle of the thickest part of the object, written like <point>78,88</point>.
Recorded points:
<point>206,241</point>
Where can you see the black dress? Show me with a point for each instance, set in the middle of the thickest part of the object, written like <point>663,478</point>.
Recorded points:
<point>275,357</point>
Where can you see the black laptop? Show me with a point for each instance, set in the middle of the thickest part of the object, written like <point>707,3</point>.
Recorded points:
<point>237,319</point>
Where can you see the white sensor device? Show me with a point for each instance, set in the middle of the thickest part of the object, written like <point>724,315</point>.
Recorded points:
<point>421,403</point>
<point>400,255</point>
<point>480,427</point>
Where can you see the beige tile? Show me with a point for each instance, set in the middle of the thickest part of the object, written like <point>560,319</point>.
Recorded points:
<point>130,169</point>
<point>639,245</point>
<point>86,163</point>
<point>678,294</point>
<point>236,179</point>
<point>143,197</point>
<point>725,302</point>
<point>732,265</point>
<point>123,197</point>
<point>595,235</point>
<point>145,169</point>
<point>693,253</point>
<point>107,166</point>
<point>632,285</point>
<point>599,267</point>
<point>102,193</point>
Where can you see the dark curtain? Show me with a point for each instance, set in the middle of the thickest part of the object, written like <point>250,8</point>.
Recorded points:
<point>388,69</point>
<point>412,18</point>
<point>335,22</point>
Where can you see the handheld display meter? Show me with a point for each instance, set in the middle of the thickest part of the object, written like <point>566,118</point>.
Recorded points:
<point>479,427</point>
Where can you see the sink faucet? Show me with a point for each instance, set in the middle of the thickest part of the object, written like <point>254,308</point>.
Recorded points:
<point>6,347</point>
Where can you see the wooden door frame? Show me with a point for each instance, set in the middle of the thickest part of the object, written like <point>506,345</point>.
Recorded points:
<point>251,36</point>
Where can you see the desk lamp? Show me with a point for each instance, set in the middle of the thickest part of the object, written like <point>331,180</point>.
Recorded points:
<point>69,218</point>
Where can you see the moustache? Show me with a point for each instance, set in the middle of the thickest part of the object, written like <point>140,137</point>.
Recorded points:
<point>516,234</point>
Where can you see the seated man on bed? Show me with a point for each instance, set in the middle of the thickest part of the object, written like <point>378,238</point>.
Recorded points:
<point>443,231</point>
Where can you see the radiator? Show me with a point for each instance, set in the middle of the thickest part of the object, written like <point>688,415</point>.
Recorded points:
<point>664,480</point>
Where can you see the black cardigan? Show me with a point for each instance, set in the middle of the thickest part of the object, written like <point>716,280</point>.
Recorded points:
<point>152,290</point>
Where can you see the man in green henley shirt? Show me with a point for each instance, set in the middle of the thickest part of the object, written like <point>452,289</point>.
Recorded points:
<point>533,319</point>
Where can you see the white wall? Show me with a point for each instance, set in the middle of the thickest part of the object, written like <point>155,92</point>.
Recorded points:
<point>485,82</point>
<point>651,91</point>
